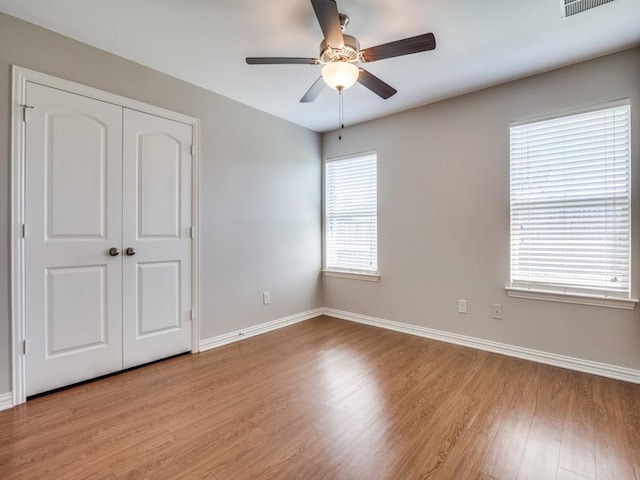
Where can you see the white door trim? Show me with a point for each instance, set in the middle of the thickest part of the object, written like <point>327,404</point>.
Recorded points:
<point>20,78</point>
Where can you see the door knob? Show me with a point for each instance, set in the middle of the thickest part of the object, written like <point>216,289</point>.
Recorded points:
<point>130,251</point>
<point>114,252</point>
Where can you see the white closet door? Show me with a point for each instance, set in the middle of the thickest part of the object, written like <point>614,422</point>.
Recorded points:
<point>73,217</point>
<point>157,227</point>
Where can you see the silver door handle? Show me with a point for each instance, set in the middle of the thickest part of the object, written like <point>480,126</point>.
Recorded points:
<point>130,251</point>
<point>114,252</point>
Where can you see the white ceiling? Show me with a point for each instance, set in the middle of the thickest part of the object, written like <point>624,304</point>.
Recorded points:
<point>205,42</point>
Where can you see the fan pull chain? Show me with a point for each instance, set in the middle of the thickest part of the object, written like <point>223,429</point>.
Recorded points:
<point>340,113</point>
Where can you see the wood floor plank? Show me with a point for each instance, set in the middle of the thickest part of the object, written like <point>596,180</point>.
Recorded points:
<point>577,448</point>
<point>612,443</point>
<point>508,444</point>
<point>567,475</point>
<point>542,450</point>
<point>327,399</point>
<point>631,412</point>
<point>467,456</point>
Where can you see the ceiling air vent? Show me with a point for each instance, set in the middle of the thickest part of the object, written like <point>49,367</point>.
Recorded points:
<point>571,7</point>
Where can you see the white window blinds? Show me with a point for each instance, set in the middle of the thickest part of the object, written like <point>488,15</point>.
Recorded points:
<point>351,221</point>
<point>570,203</point>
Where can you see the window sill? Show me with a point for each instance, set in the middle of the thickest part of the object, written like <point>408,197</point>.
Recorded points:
<point>580,299</point>
<point>369,277</point>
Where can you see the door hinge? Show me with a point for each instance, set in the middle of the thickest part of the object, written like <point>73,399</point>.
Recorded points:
<point>191,149</point>
<point>24,230</point>
<point>24,112</point>
<point>193,315</point>
<point>24,347</point>
<point>192,232</point>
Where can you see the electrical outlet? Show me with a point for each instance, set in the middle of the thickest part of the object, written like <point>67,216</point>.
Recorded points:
<point>496,311</point>
<point>266,298</point>
<point>462,306</point>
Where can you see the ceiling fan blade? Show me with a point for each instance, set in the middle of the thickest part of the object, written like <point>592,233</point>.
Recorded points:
<point>376,85</point>
<point>281,60</point>
<point>419,43</point>
<point>314,91</point>
<point>329,19</point>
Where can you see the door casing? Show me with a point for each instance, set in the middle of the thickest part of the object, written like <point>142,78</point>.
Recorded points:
<point>19,115</point>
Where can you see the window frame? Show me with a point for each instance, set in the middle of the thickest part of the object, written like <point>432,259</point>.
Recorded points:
<point>349,273</point>
<point>574,294</point>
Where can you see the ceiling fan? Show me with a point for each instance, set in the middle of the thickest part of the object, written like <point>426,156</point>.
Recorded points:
<point>340,55</point>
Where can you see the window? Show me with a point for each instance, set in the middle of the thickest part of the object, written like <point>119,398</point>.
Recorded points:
<point>351,220</point>
<point>570,203</point>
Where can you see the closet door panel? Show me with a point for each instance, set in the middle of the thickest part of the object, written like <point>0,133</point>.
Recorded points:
<point>73,203</point>
<point>157,236</point>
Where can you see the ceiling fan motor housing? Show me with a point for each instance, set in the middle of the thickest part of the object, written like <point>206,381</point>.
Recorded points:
<point>348,53</point>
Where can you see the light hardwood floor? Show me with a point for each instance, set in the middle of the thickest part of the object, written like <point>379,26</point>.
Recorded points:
<point>329,399</point>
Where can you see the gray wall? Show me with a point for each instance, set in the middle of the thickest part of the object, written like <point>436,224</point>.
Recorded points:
<point>259,185</point>
<point>444,216</point>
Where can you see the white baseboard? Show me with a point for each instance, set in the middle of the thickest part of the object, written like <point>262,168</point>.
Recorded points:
<point>6,401</point>
<point>209,343</point>
<point>571,363</point>
<point>563,361</point>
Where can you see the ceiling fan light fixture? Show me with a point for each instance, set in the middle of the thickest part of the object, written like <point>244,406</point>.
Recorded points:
<point>340,75</point>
